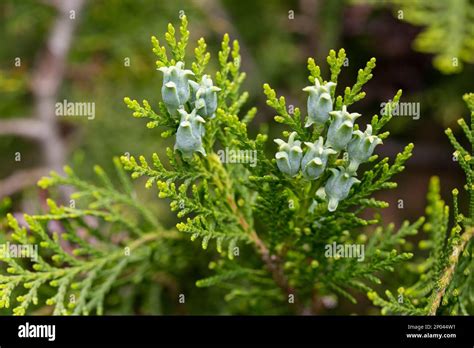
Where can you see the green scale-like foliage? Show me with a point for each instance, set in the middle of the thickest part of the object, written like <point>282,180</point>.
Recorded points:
<point>448,33</point>
<point>444,281</point>
<point>282,219</point>
<point>448,29</point>
<point>83,252</point>
<point>266,222</point>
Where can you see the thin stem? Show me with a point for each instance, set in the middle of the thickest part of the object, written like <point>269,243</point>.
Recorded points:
<point>449,271</point>
<point>272,262</point>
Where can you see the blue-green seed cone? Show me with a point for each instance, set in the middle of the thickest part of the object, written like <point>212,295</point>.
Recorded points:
<point>189,134</point>
<point>338,186</point>
<point>289,156</point>
<point>170,97</point>
<point>319,102</point>
<point>315,159</point>
<point>175,90</point>
<point>206,97</point>
<point>340,129</point>
<point>339,135</point>
<point>361,147</point>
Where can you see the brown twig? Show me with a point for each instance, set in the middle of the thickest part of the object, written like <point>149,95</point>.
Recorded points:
<point>272,262</point>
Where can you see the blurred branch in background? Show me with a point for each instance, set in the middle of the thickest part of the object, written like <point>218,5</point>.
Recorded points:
<point>21,179</point>
<point>447,32</point>
<point>24,127</point>
<point>46,80</point>
<point>319,23</point>
<point>221,22</point>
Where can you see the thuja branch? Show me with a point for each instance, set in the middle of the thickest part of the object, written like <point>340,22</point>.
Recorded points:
<point>274,265</point>
<point>448,273</point>
<point>272,262</point>
<point>302,195</point>
<point>443,279</point>
<point>307,193</point>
